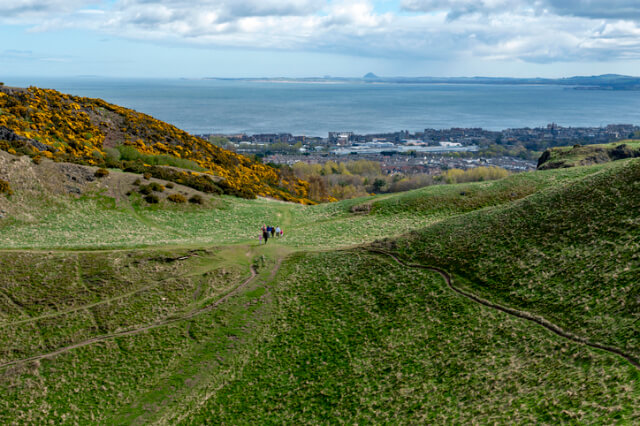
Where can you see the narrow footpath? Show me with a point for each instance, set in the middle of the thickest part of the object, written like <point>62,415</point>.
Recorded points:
<point>158,324</point>
<point>514,312</point>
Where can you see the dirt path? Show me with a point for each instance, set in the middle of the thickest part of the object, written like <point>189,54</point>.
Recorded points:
<point>158,324</point>
<point>514,312</point>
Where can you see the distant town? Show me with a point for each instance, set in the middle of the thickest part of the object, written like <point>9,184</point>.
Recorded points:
<point>428,151</point>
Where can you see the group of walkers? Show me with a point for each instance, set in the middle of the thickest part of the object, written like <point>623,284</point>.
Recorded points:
<point>270,231</point>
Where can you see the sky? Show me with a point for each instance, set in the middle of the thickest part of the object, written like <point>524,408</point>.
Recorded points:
<point>303,38</point>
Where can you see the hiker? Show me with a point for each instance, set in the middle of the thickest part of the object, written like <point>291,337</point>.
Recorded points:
<point>265,233</point>
<point>278,231</point>
<point>273,231</point>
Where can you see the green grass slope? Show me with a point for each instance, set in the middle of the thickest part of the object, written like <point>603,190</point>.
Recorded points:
<point>356,338</point>
<point>569,253</point>
<point>117,312</point>
<point>40,219</point>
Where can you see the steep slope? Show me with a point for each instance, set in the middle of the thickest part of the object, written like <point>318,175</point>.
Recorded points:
<point>77,129</point>
<point>569,254</point>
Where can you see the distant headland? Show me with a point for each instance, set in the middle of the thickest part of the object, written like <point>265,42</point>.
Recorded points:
<point>598,82</point>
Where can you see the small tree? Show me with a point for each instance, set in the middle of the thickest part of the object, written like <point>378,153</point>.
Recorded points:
<point>378,184</point>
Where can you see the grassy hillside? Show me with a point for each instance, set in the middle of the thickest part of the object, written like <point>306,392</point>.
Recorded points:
<point>357,338</point>
<point>40,218</point>
<point>578,155</point>
<point>569,254</point>
<point>47,123</point>
<point>114,311</point>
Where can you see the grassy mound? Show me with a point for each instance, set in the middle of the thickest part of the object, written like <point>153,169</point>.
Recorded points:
<point>52,301</point>
<point>109,297</point>
<point>569,253</point>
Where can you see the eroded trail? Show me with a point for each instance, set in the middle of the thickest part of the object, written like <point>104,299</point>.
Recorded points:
<point>157,324</point>
<point>514,312</point>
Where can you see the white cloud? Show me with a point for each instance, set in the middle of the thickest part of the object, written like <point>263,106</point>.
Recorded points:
<point>540,32</point>
<point>17,9</point>
<point>597,9</point>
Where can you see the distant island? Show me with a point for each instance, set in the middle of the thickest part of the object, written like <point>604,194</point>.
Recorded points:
<point>599,82</point>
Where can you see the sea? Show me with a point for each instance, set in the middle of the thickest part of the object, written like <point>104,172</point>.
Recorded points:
<point>210,106</point>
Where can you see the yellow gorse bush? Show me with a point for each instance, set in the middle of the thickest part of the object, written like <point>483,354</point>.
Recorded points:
<point>78,127</point>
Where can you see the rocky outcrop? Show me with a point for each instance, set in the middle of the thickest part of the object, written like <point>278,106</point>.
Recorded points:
<point>11,136</point>
<point>557,158</point>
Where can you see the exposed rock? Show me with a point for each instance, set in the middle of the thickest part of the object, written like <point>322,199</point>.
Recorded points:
<point>73,190</point>
<point>585,155</point>
<point>9,135</point>
<point>546,155</point>
<point>361,209</point>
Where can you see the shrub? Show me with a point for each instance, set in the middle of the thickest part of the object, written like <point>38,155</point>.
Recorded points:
<point>145,190</point>
<point>112,154</point>
<point>147,175</point>
<point>177,198</point>
<point>152,199</point>
<point>130,153</point>
<point>5,188</point>
<point>170,185</point>
<point>37,159</point>
<point>196,199</point>
<point>155,186</point>
<point>137,182</point>
<point>100,173</point>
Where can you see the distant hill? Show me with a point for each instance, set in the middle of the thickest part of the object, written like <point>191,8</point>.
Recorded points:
<point>578,155</point>
<point>46,123</point>
<point>598,82</point>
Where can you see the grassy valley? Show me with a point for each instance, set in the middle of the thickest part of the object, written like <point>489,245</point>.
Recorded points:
<point>115,310</point>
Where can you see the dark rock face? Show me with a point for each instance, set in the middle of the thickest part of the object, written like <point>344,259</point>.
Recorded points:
<point>544,158</point>
<point>11,136</point>
<point>41,146</point>
<point>623,151</point>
